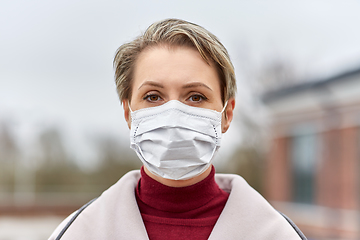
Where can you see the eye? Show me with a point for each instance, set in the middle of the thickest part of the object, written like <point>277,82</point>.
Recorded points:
<point>197,98</point>
<point>152,98</point>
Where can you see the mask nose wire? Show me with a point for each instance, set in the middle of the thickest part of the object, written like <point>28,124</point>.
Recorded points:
<point>220,112</point>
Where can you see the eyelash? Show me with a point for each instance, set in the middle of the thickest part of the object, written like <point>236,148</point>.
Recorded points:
<point>202,97</point>
<point>150,95</point>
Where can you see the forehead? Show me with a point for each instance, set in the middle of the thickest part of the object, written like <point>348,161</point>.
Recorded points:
<point>175,64</point>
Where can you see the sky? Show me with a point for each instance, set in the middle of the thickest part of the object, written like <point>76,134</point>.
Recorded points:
<point>56,56</point>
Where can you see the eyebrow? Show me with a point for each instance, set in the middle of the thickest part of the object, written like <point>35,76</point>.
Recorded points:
<point>196,84</point>
<point>189,85</point>
<point>151,83</point>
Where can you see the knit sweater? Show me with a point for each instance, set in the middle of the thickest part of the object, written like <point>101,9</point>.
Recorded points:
<point>179,212</point>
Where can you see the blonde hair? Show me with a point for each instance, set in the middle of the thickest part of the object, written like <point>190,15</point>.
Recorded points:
<point>174,32</point>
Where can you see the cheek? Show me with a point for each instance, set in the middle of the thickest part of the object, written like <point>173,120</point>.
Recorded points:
<point>223,123</point>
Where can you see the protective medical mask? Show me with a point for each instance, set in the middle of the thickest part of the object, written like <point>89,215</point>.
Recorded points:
<point>174,140</point>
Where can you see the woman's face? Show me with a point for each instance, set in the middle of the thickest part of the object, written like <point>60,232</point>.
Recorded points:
<point>162,74</point>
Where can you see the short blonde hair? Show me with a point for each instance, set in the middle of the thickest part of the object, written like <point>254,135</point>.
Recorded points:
<point>174,32</point>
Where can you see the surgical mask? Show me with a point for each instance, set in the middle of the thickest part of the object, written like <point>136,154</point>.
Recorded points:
<point>175,141</point>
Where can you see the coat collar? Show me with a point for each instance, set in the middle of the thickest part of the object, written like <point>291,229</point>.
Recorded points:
<point>115,214</point>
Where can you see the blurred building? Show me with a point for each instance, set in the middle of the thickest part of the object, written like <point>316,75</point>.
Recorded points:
<point>313,168</point>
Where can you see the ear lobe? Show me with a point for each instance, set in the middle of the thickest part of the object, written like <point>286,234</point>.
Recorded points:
<point>125,104</point>
<point>229,112</point>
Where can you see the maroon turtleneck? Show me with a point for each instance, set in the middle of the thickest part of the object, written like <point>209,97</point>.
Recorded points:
<point>179,212</point>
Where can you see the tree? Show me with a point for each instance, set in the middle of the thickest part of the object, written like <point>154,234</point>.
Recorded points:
<point>268,74</point>
<point>9,154</point>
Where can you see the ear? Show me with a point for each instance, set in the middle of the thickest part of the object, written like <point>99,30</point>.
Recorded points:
<point>125,104</point>
<point>228,115</point>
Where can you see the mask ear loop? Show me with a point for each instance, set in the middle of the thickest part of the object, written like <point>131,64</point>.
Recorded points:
<point>224,109</point>
<point>131,111</point>
<point>221,110</point>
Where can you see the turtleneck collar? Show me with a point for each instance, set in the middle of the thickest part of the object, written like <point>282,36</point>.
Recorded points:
<point>176,199</point>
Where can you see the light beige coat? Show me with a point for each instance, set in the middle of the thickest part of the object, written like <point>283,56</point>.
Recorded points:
<point>115,215</point>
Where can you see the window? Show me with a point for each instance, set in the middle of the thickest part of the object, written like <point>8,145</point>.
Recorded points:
<point>304,153</point>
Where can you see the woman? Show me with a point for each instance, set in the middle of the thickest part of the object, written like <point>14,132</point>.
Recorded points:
<point>177,87</point>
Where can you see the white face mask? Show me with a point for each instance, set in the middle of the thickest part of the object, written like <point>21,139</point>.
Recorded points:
<point>174,140</point>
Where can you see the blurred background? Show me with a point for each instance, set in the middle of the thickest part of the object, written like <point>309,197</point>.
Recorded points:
<point>294,138</point>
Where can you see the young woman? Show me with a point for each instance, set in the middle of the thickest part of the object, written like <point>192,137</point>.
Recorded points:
<point>177,87</point>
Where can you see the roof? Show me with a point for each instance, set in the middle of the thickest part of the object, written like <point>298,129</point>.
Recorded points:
<point>279,94</point>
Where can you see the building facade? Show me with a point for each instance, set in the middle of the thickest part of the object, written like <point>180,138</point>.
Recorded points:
<point>313,167</point>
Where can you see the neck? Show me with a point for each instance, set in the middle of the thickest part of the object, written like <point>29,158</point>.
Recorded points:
<point>179,183</point>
